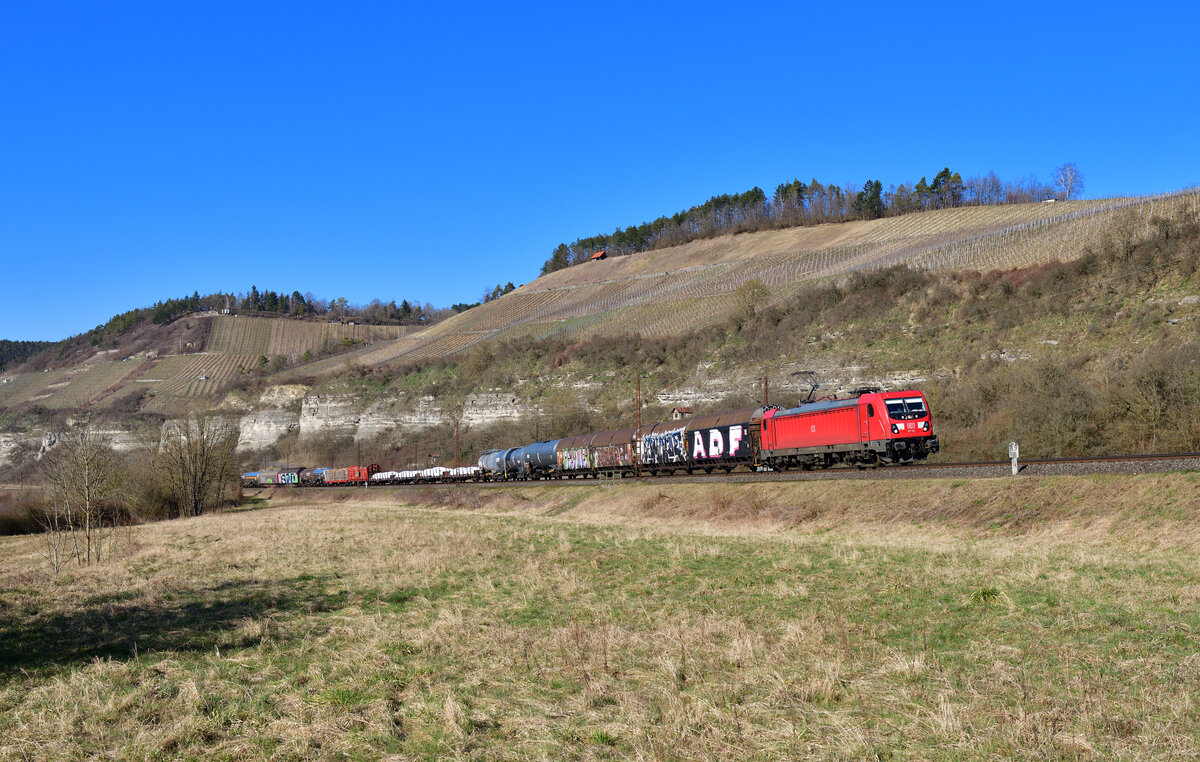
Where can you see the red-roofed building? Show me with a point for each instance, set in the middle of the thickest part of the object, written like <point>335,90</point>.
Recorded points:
<point>602,254</point>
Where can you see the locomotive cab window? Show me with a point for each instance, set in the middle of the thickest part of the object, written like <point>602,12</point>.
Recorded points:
<point>870,410</point>
<point>907,409</point>
<point>916,407</point>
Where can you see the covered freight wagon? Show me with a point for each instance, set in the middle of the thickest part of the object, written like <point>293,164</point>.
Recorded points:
<point>350,474</point>
<point>290,475</point>
<point>611,452</point>
<point>663,446</point>
<point>725,440</point>
<point>312,476</point>
<point>573,455</point>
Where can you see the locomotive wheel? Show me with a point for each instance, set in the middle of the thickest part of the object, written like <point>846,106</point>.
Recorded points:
<point>708,470</point>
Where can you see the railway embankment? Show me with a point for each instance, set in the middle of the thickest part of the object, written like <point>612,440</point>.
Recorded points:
<point>1152,509</point>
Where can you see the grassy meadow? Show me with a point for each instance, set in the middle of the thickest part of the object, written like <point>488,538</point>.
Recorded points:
<point>1043,618</point>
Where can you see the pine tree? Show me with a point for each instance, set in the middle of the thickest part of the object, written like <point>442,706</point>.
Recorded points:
<point>923,194</point>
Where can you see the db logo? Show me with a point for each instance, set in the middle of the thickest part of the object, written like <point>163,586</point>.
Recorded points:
<point>813,428</point>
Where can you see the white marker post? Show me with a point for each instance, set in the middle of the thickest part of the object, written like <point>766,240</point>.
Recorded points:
<point>1014,452</point>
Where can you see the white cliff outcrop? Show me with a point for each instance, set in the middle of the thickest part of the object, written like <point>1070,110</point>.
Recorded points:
<point>265,428</point>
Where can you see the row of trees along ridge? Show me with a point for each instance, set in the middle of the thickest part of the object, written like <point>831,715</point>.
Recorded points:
<point>798,203</point>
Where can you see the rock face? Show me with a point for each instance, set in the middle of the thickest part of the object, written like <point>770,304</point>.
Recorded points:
<point>11,448</point>
<point>49,439</point>
<point>283,395</point>
<point>385,416</point>
<point>120,440</point>
<point>286,408</point>
<point>334,415</point>
<point>426,414</point>
<point>330,414</point>
<point>486,408</point>
<point>264,428</point>
<point>17,448</point>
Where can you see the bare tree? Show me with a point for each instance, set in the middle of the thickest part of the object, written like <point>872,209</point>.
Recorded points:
<point>195,456</point>
<point>58,546</point>
<point>1069,180</point>
<point>750,296</point>
<point>85,477</point>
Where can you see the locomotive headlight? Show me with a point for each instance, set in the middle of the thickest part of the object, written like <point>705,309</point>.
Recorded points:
<point>924,425</point>
<point>895,428</point>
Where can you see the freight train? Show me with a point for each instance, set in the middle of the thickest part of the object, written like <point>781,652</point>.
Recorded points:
<point>868,429</point>
<point>311,477</point>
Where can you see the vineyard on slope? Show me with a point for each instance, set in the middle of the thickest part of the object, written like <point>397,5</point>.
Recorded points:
<point>674,299</point>
<point>239,335</point>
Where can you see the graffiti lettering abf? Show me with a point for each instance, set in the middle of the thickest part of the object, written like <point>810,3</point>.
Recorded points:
<point>724,442</point>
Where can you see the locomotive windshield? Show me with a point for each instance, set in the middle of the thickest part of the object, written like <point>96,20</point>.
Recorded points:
<point>906,409</point>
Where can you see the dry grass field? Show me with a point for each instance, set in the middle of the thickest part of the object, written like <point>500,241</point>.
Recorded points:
<point>1054,618</point>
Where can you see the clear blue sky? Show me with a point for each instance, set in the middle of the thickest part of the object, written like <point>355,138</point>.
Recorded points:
<point>383,150</point>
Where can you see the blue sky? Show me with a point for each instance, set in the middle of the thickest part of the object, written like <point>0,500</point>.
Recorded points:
<point>384,150</point>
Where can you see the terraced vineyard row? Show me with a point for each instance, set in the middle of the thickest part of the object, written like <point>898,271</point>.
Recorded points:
<point>325,364</point>
<point>385,353</point>
<point>82,386</point>
<point>20,388</point>
<point>187,376</point>
<point>442,346</point>
<point>290,338</point>
<point>498,314</point>
<point>240,335</point>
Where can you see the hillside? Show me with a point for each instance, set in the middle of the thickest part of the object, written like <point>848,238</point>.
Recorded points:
<point>194,357</point>
<point>711,318</point>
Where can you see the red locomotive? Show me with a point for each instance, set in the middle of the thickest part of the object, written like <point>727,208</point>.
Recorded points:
<point>871,428</point>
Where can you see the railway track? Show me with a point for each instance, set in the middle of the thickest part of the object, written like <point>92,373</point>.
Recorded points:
<point>989,469</point>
